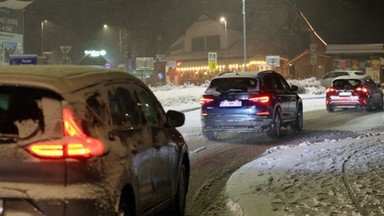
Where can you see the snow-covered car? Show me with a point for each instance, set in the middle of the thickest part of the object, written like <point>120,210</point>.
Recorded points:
<point>326,80</point>
<point>80,140</point>
<point>351,92</point>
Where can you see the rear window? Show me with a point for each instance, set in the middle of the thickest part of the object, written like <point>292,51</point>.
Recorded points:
<point>233,84</point>
<point>346,83</point>
<point>22,114</point>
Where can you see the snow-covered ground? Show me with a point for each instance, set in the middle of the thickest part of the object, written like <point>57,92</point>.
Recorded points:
<point>332,177</point>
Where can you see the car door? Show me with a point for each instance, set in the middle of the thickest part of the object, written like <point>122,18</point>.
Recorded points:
<point>165,161</point>
<point>375,92</point>
<point>136,135</point>
<point>288,99</point>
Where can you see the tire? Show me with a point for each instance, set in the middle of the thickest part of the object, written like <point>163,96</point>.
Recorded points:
<point>210,135</point>
<point>297,125</point>
<point>274,130</point>
<point>181,194</point>
<point>123,208</point>
<point>330,108</point>
<point>381,105</point>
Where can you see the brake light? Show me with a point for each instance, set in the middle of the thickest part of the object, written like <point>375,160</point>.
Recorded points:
<point>76,143</point>
<point>362,89</point>
<point>261,99</point>
<point>205,100</point>
<point>330,89</point>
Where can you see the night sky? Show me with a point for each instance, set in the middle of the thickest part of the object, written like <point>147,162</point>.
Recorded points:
<point>152,26</point>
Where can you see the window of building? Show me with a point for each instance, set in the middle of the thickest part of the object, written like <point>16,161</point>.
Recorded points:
<point>213,42</point>
<point>198,44</point>
<point>207,43</point>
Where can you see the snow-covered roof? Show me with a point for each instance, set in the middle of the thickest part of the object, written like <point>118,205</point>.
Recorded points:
<point>15,4</point>
<point>61,79</point>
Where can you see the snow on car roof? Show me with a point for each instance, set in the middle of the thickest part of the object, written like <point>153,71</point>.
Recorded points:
<point>247,74</point>
<point>60,78</point>
<point>356,76</point>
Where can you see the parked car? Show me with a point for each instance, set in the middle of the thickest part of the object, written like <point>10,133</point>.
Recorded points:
<point>77,140</point>
<point>327,78</point>
<point>351,92</point>
<point>250,102</point>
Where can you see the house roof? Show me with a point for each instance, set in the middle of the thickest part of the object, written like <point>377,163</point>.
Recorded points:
<point>15,4</point>
<point>355,49</point>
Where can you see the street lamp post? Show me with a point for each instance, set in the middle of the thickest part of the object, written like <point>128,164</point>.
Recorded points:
<point>245,38</point>
<point>222,19</point>
<point>42,36</point>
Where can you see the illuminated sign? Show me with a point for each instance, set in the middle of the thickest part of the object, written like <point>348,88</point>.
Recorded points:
<point>95,53</point>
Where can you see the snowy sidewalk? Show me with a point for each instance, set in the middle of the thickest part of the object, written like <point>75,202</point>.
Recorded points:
<point>343,177</point>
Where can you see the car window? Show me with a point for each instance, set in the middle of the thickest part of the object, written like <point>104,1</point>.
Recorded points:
<point>275,83</point>
<point>284,84</point>
<point>129,111</point>
<point>346,83</point>
<point>22,112</point>
<point>371,84</point>
<point>233,84</point>
<point>149,107</point>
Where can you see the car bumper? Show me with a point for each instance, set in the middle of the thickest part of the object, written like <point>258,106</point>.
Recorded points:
<point>235,123</point>
<point>347,102</point>
<point>51,200</point>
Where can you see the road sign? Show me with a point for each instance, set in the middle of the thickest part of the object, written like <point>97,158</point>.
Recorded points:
<point>313,59</point>
<point>212,61</point>
<point>108,65</point>
<point>273,61</point>
<point>145,63</point>
<point>22,59</point>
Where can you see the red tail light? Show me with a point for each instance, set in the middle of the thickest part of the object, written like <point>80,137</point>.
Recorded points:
<point>362,89</point>
<point>205,100</point>
<point>261,99</point>
<point>330,89</point>
<point>75,144</point>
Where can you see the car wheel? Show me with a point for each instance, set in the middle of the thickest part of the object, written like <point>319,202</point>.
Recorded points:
<point>181,194</point>
<point>297,125</point>
<point>381,104</point>
<point>210,135</point>
<point>123,208</point>
<point>274,130</point>
<point>330,108</point>
<point>368,107</point>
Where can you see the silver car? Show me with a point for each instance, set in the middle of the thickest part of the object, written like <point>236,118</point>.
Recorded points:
<point>87,141</point>
<point>326,81</point>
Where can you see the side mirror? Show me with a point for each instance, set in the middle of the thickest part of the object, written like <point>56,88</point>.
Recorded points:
<point>175,118</point>
<point>294,88</point>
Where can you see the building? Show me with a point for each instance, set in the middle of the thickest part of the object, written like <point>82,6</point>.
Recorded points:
<point>187,59</point>
<point>11,29</point>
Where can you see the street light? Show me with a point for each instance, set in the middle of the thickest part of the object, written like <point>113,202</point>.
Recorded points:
<point>42,36</point>
<point>120,45</point>
<point>245,39</point>
<point>222,19</point>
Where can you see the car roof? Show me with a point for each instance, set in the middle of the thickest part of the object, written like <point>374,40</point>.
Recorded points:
<point>348,71</point>
<point>60,78</point>
<point>245,74</point>
<point>359,77</point>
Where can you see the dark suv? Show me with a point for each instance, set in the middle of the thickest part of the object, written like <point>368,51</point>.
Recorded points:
<point>87,141</point>
<point>250,102</point>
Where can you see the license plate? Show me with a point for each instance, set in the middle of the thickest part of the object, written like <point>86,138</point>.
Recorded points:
<point>235,103</point>
<point>345,94</point>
